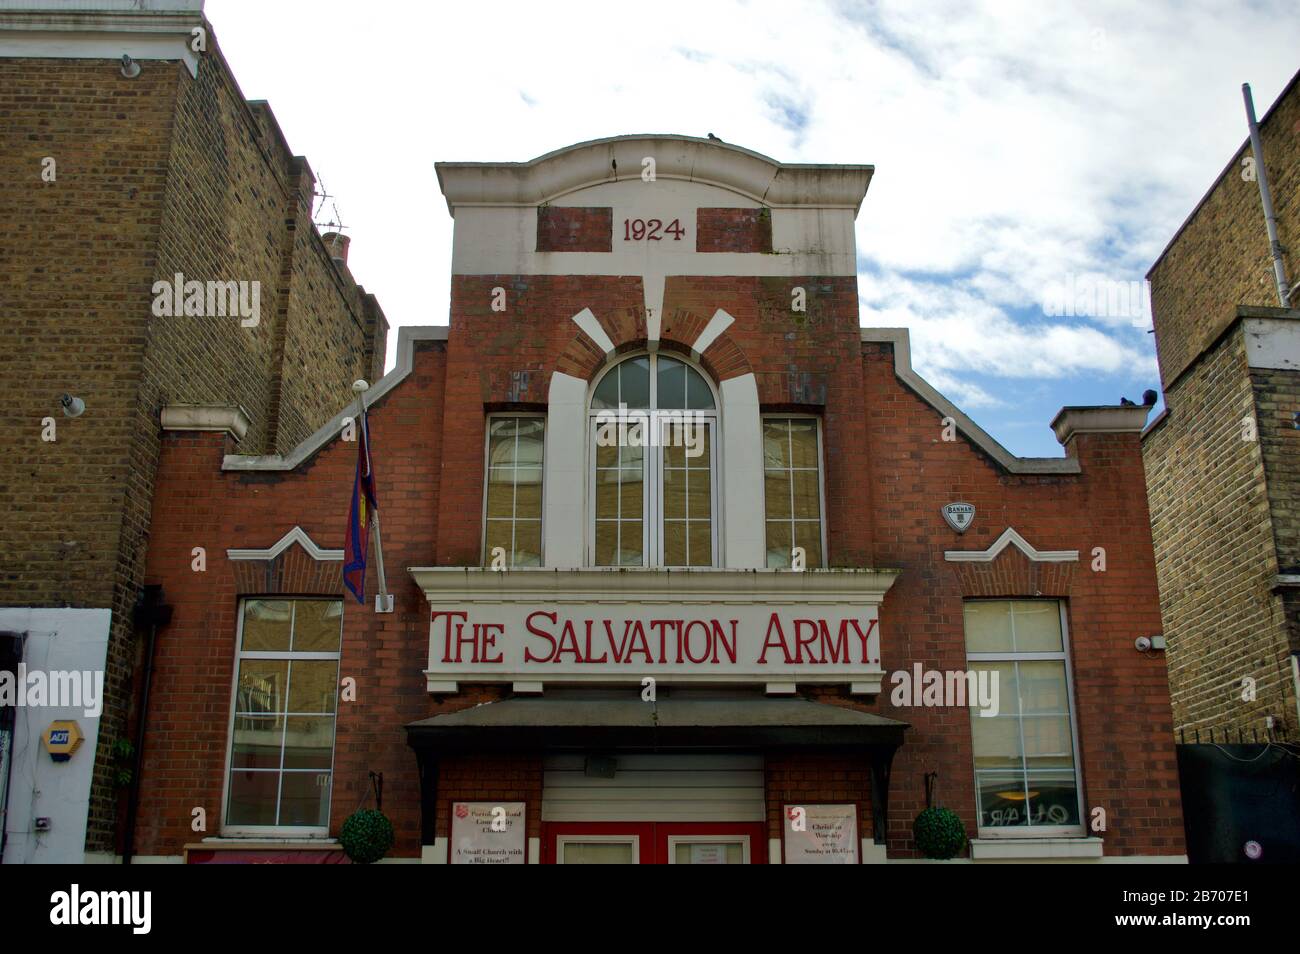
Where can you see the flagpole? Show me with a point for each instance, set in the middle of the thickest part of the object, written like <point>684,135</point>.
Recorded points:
<point>383,599</point>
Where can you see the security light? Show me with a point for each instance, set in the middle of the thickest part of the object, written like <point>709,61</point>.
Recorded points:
<point>130,68</point>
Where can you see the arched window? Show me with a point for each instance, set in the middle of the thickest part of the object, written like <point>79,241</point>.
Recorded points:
<point>653,422</point>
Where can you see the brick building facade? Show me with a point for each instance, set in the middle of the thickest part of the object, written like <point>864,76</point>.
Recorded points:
<point>1223,477</point>
<point>653,650</point>
<point>114,180</point>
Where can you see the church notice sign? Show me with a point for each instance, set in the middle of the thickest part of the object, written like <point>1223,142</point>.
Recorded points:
<point>821,834</point>
<point>487,833</point>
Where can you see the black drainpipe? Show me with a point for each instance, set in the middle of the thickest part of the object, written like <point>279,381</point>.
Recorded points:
<point>150,613</point>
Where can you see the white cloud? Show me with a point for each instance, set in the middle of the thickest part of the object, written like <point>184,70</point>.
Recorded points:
<point>954,329</point>
<point>1015,143</point>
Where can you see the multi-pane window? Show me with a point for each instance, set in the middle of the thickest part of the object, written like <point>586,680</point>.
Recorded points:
<point>282,739</point>
<point>513,517</point>
<point>653,421</point>
<point>1026,774</point>
<point>792,490</point>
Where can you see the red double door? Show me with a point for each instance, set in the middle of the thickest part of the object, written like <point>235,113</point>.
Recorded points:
<point>653,843</point>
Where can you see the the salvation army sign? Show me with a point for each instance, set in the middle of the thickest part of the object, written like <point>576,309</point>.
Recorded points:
<point>487,833</point>
<point>597,626</point>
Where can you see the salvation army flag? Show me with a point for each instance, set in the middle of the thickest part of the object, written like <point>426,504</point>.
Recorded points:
<point>356,546</point>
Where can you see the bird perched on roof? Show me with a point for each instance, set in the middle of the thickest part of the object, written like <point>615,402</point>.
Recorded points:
<point>714,138</point>
<point>1149,398</point>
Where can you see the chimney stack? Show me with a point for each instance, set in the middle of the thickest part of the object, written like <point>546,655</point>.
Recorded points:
<point>337,246</point>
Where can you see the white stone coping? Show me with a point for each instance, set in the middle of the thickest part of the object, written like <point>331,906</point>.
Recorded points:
<point>102,29</point>
<point>1008,538</point>
<point>1034,848</point>
<point>751,174</point>
<point>1107,419</point>
<point>406,339</point>
<point>862,587</point>
<point>899,338</point>
<point>232,419</point>
<point>297,535</point>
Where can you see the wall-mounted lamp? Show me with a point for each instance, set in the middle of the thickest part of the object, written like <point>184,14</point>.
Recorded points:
<point>72,406</point>
<point>130,68</point>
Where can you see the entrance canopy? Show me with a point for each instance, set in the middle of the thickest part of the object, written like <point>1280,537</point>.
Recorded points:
<point>552,724</point>
<point>555,723</point>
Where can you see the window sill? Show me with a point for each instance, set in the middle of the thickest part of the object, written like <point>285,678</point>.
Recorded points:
<point>218,842</point>
<point>983,849</point>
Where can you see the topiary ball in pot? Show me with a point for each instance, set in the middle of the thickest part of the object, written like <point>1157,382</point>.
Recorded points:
<point>366,836</point>
<point>939,833</point>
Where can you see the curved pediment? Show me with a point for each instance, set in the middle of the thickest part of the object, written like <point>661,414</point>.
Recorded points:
<point>621,158</point>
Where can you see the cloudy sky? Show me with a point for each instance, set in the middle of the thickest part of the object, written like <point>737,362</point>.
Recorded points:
<point>1025,153</point>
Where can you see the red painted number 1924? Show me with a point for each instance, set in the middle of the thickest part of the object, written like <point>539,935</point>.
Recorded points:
<point>636,230</point>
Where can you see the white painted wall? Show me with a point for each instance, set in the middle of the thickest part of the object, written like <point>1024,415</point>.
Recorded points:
<point>564,473</point>
<point>744,533</point>
<point>57,639</point>
<point>1273,343</point>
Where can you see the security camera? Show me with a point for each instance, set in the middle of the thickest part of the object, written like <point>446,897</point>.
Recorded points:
<point>130,68</point>
<point>1143,644</point>
<point>72,406</point>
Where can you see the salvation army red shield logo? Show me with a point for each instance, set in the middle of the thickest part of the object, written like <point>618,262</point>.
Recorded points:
<point>462,811</point>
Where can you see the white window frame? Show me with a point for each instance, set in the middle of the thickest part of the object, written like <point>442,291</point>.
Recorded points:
<point>742,840</point>
<point>821,477</point>
<point>1063,656</point>
<point>301,832</point>
<point>487,450</point>
<point>652,501</point>
<point>563,840</point>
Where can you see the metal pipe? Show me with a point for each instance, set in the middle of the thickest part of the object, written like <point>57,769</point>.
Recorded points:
<point>133,796</point>
<point>1270,219</point>
<point>151,612</point>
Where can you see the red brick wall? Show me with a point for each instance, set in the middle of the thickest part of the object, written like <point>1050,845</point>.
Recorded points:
<point>196,504</point>
<point>733,230</point>
<point>888,473</point>
<point>572,229</point>
<point>489,778</point>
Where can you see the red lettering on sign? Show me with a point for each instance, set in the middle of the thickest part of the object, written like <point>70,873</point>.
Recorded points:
<point>528,653</point>
<point>862,637</point>
<point>800,640</point>
<point>446,654</point>
<point>490,641</point>
<point>589,658</point>
<point>774,623</point>
<point>838,650</point>
<point>638,635</point>
<point>720,639</point>
<point>568,643</point>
